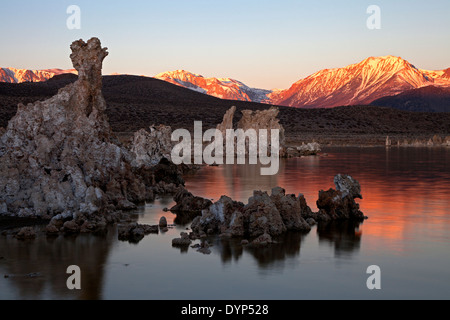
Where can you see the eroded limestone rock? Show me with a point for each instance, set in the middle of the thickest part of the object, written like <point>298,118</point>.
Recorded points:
<point>134,232</point>
<point>340,204</point>
<point>264,214</point>
<point>265,217</point>
<point>150,147</point>
<point>227,122</point>
<point>348,186</point>
<point>187,203</point>
<point>59,157</point>
<point>258,119</point>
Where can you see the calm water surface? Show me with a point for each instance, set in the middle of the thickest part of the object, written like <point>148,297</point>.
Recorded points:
<point>406,196</point>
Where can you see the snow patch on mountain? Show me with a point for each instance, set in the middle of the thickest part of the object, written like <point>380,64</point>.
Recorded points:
<point>224,88</point>
<point>359,83</point>
<point>13,75</point>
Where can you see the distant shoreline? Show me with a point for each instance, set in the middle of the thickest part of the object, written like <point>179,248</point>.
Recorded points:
<point>139,102</point>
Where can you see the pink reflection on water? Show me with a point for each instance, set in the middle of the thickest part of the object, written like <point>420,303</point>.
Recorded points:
<point>401,203</point>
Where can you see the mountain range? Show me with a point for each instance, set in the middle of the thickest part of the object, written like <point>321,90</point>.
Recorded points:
<point>370,80</point>
<point>135,102</point>
<point>13,75</point>
<point>224,88</point>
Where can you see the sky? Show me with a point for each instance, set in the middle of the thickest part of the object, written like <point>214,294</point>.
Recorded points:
<point>265,44</point>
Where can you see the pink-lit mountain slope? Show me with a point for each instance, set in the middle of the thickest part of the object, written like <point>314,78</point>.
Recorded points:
<point>13,75</point>
<point>224,88</point>
<point>359,83</point>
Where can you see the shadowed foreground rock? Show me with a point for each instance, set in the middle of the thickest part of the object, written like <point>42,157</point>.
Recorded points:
<point>187,203</point>
<point>265,217</point>
<point>59,158</point>
<point>134,232</point>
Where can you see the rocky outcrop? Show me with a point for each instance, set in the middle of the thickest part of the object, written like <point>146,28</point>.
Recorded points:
<point>135,232</point>
<point>264,119</point>
<point>347,186</point>
<point>291,208</point>
<point>166,177</point>
<point>258,119</point>
<point>162,222</point>
<point>388,142</point>
<point>435,141</point>
<point>309,149</point>
<point>26,233</point>
<point>187,203</point>
<point>223,216</point>
<point>183,241</point>
<point>447,141</point>
<point>263,214</point>
<point>149,148</point>
<point>227,122</point>
<point>59,158</point>
<point>265,217</point>
<point>340,204</point>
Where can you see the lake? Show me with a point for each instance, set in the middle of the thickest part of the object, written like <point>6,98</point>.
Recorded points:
<point>406,195</point>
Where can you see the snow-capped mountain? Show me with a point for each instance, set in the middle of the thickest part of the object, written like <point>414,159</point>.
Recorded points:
<point>13,75</point>
<point>359,83</point>
<point>224,88</point>
<point>356,84</point>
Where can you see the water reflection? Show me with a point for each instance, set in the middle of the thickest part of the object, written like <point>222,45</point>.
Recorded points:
<point>344,236</point>
<point>399,185</point>
<point>49,259</point>
<point>405,194</point>
<point>286,247</point>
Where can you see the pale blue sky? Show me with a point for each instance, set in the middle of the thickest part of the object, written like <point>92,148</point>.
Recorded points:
<point>267,44</point>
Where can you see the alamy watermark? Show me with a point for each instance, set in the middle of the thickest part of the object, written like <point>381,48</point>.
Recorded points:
<point>374,280</point>
<point>236,147</point>
<point>74,20</point>
<point>374,20</point>
<point>74,280</point>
